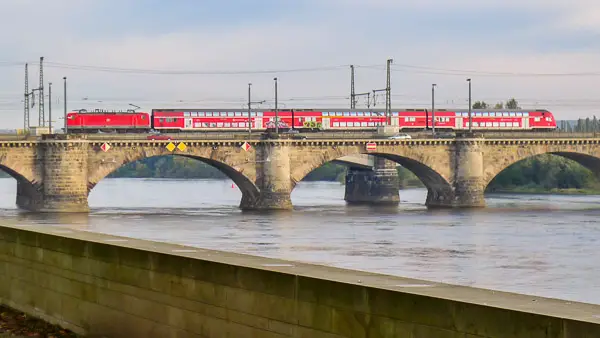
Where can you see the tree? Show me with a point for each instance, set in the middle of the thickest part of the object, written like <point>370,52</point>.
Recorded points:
<point>499,105</point>
<point>512,104</point>
<point>480,105</point>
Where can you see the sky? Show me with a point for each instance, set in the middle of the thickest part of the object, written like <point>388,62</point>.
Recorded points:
<point>203,54</point>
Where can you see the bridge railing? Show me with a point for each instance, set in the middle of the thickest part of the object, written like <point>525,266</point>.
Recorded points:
<point>309,135</point>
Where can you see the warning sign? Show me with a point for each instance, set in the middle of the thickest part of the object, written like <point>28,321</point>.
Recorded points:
<point>170,146</point>
<point>371,146</point>
<point>246,146</point>
<point>105,147</point>
<point>181,146</point>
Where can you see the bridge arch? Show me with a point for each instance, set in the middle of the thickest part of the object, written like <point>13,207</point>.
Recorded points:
<point>431,167</point>
<point>19,163</point>
<point>496,161</point>
<point>239,170</point>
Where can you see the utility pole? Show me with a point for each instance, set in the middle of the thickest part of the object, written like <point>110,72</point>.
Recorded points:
<point>65,103</point>
<point>42,121</point>
<point>433,108</point>
<point>250,103</point>
<point>49,107</point>
<point>249,108</point>
<point>470,117</point>
<point>388,93</point>
<point>26,100</point>
<point>352,93</point>
<point>276,110</point>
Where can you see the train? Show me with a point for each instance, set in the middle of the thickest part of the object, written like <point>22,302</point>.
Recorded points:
<point>305,120</point>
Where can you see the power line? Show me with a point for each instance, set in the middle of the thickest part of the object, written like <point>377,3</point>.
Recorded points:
<point>447,71</point>
<point>188,72</point>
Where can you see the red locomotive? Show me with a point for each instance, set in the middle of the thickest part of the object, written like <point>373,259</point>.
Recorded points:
<point>207,120</point>
<point>128,121</point>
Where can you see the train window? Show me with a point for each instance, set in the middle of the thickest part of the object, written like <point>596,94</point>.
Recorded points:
<point>186,114</point>
<point>346,113</point>
<point>230,114</point>
<point>495,124</point>
<point>502,124</point>
<point>325,113</point>
<point>519,114</point>
<point>526,114</point>
<point>492,114</point>
<point>143,117</point>
<point>161,120</point>
<point>336,124</point>
<point>227,125</point>
<point>512,114</point>
<point>360,113</point>
<point>485,114</point>
<point>260,114</point>
<point>237,113</point>
<point>342,124</point>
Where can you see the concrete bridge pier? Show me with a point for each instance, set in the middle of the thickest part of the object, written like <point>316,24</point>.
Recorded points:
<point>273,179</point>
<point>468,183</point>
<point>379,186</point>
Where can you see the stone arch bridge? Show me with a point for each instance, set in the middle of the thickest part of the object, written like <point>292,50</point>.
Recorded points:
<point>56,175</point>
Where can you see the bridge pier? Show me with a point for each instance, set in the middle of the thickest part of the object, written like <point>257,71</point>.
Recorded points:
<point>28,197</point>
<point>273,179</point>
<point>64,172</point>
<point>468,187</point>
<point>376,187</point>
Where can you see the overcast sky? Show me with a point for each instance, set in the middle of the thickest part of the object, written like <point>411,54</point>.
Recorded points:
<point>502,43</point>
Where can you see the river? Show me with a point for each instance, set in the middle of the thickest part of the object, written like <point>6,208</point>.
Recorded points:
<point>544,245</point>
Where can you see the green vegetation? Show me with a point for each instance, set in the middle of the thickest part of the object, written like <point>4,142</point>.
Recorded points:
<point>546,174</point>
<point>168,167</point>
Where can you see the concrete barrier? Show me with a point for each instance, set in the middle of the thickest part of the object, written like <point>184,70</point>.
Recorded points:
<point>101,285</point>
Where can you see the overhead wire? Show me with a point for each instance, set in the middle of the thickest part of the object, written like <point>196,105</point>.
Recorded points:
<point>394,67</point>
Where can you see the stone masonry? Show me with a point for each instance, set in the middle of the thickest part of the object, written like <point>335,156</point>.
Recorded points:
<point>375,187</point>
<point>56,175</point>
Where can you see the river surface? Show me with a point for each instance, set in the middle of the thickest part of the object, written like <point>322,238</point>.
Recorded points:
<point>544,245</point>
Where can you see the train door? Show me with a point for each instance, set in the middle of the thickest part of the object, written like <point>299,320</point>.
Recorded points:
<point>325,123</point>
<point>258,123</point>
<point>459,123</point>
<point>395,121</point>
<point>188,123</point>
<point>525,123</point>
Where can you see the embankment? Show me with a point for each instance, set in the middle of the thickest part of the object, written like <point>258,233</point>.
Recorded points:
<point>101,285</point>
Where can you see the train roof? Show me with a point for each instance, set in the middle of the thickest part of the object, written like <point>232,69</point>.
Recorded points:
<point>344,110</point>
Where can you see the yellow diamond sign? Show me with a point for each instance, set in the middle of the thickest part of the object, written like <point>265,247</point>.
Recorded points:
<point>170,146</point>
<point>181,146</point>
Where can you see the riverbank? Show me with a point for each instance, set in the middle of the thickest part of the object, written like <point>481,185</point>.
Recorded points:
<point>14,323</point>
<point>541,191</point>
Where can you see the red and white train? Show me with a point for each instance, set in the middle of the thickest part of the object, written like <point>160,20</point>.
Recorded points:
<point>222,120</point>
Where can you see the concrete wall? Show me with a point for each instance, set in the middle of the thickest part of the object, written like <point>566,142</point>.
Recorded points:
<point>108,286</point>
